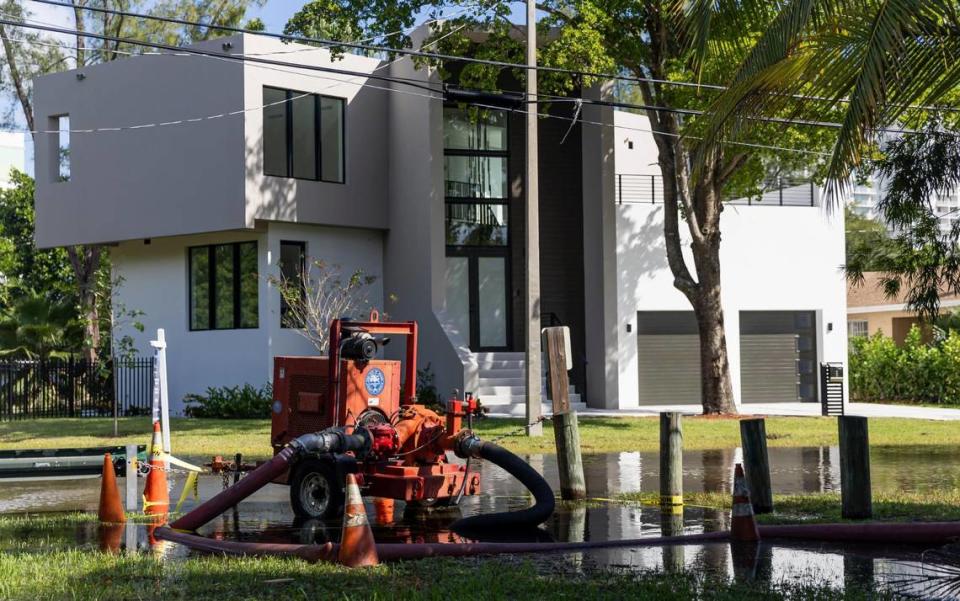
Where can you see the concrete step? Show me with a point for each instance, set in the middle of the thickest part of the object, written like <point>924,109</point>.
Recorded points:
<point>501,373</point>
<point>498,355</point>
<point>485,387</point>
<point>498,381</point>
<point>514,410</point>
<point>495,364</point>
<point>506,398</point>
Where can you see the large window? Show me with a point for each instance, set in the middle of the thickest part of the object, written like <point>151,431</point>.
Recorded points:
<point>223,286</point>
<point>303,135</point>
<point>476,184</point>
<point>293,267</point>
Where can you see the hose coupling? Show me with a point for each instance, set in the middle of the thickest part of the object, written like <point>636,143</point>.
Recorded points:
<point>332,440</point>
<point>467,445</point>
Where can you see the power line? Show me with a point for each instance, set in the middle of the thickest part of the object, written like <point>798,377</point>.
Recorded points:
<point>449,57</point>
<point>221,55</point>
<point>180,51</point>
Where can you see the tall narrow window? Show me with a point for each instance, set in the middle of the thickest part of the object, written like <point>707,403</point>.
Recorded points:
<point>293,267</point>
<point>275,132</point>
<point>223,286</point>
<point>63,147</point>
<point>303,135</point>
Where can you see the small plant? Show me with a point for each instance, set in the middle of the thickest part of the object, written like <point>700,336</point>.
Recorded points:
<point>426,390</point>
<point>230,402</point>
<point>319,295</point>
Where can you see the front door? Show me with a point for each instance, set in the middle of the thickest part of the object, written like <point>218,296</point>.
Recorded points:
<point>477,228</point>
<point>478,301</point>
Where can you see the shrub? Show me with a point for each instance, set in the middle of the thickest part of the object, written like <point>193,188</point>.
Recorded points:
<point>230,402</point>
<point>915,372</point>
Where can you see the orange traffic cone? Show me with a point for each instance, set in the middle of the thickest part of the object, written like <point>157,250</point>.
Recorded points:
<point>357,547</point>
<point>110,510</point>
<point>384,510</point>
<point>743,526</point>
<point>156,493</point>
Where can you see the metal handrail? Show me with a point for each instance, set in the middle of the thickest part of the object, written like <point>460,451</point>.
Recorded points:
<point>636,188</point>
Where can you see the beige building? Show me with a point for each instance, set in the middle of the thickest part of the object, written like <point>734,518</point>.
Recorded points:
<point>870,310</point>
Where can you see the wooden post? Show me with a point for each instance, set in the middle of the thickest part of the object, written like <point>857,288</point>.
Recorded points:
<point>855,467</point>
<point>671,460</point>
<point>566,430</point>
<point>756,464</point>
<point>130,477</point>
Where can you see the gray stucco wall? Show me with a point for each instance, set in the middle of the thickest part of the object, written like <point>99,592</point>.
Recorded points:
<point>141,183</point>
<point>202,176</point>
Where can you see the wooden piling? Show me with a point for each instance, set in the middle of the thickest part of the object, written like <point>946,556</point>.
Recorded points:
<point>130,480</point>
<point>855,468</point>
<point>566,430</point>
<point>756,464</point>
<point>671,460</point>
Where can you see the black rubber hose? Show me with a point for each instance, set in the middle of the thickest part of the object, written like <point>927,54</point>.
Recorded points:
<point>528,518</point>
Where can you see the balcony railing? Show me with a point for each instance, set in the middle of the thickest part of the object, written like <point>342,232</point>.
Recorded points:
<point>782,192</point>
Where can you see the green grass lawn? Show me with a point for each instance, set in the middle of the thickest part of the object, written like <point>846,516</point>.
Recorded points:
<point>930,506</point>
<point>207,437</point>
<point>38,561</point>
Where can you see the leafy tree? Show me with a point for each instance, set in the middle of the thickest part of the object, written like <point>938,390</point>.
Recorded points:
<point>656,41</point>
<point>24,266</point>
<point>869,245</point>
<point>923,258</point>
<point>27,55</point>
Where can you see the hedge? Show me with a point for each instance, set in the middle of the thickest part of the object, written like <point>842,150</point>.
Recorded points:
<point>916,372</point>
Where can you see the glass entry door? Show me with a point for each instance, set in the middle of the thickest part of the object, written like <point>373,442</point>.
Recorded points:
<point>478,302</point>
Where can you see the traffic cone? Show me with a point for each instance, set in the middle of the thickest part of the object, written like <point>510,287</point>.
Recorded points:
<point>357,547</point>
<point>743,526</point>
<point>110,510</point>
<point>156,493</point>
<point>384,510</point>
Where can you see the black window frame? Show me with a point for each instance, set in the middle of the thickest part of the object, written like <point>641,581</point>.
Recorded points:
<point>284,317</point>
<point>212,287</point>
<point>317,141</point>
<point>470,200</point>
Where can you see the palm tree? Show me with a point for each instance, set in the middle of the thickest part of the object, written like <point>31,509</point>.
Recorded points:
<point>879,65</point>
<point>34,327</point>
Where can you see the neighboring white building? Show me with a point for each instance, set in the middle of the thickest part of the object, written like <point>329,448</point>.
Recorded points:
<point>378,176</point>
<point>12,153</point>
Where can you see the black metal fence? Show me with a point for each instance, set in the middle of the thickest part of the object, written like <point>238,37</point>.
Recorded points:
<point>74,388</point>
<point>782,192</point>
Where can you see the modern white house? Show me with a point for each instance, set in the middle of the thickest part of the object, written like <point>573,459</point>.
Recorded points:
<point>205,175</point>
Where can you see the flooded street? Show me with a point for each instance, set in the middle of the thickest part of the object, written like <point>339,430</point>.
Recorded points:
<point>266,517</point>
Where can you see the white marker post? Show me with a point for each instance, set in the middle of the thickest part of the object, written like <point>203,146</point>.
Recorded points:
<point>161,402</point>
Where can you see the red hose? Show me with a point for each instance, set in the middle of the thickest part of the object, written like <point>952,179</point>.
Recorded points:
<point>398,551</point>
<point>253,482</point>
<point>916,533</point>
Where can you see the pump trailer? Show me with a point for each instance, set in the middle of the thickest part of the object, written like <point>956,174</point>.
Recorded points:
<point>404,454</point>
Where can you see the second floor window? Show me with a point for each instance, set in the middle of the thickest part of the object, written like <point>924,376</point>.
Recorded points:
<point>303,135</point>
<point>223,286</point>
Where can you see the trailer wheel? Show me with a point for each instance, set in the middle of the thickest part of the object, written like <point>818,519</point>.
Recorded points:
<point>315,490</point>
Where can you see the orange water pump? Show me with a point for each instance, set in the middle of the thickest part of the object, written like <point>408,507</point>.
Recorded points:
<point>406,455</point>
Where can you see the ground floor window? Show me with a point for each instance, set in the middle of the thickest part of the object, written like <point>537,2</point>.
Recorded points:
<point>223,286</point>
<point>857,328</point>
<point>293,267</point>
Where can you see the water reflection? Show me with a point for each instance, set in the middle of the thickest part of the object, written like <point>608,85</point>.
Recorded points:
<point>266,516</point>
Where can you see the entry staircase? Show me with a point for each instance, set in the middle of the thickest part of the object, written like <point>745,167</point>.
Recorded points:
<point>501,386</point>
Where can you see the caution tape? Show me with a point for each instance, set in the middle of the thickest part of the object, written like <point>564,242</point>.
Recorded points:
<point>191,484</point>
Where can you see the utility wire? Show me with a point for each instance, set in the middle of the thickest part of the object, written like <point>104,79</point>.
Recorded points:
<point>258,63</point>
<point>221,55</point>
<point>448,57</point>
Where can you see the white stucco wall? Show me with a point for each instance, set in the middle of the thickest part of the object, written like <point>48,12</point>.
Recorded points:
<point>155,282</point>
<point>772,258</point>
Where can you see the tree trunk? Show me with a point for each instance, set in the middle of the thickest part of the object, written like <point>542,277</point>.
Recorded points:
<point>85,261</point>
<point>715,385</point>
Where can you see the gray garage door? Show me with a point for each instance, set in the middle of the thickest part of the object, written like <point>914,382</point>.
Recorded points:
<point>668,357</point>
<point>778,352</point>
